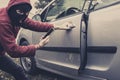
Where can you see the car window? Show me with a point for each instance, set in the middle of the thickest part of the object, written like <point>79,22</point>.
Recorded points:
<point>103,3</point>
<point>64,8</point>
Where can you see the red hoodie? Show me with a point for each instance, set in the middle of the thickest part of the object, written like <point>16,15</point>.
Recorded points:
<point>8,33</point>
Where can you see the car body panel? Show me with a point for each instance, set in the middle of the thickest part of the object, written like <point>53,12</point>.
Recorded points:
<point>24,34</point>
<point>103,34</point>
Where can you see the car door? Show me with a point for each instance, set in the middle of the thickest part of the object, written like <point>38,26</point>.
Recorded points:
<point>103,40</point>
<point>62,53</point>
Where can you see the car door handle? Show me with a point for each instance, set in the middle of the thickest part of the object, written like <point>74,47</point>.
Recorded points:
<point>66,26</point>
<point>70,26</point>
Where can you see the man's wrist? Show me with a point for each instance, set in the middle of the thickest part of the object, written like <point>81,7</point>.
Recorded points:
<point>55,27</point>
<point>37,46</point>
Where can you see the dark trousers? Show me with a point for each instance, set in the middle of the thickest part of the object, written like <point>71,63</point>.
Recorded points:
<point>7,65</point>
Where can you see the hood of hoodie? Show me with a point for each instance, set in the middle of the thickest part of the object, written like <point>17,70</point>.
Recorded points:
<point>4,11</point>
<point>22,5</point>
<point>16,2</point>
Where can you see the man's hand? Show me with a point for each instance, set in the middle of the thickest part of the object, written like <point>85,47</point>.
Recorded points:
<point>42,42</point>
<point>65,26</point>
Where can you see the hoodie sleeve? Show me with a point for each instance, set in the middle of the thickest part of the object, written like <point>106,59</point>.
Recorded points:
<point>37,25</point>
<point>8,42</point>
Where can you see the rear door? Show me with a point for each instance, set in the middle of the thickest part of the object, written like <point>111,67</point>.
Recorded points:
<point>104,40</point>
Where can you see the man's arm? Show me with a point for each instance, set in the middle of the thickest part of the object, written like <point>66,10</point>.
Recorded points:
<point>8,42</point>
<point>37,25</point>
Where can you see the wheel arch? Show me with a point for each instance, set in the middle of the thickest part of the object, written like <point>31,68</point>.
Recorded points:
<point>22,40</point>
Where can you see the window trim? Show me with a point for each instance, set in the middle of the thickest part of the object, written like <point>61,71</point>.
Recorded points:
<point>112,4</point>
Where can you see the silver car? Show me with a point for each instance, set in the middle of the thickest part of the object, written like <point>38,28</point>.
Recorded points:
<point>90,51</point>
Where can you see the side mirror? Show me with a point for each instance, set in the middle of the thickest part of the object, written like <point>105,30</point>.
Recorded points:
<point>37,17</point>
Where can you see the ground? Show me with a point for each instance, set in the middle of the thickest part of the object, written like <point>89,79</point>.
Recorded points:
<point>43,76</point>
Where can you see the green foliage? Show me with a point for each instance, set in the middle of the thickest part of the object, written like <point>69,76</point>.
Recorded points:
<point>41,3</point>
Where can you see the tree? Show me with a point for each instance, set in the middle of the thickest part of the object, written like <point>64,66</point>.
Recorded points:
<point>41,3</point>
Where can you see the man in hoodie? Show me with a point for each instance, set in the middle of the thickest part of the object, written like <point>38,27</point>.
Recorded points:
<point>12,17</point>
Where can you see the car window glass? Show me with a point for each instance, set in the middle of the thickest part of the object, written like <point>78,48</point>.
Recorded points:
<point>103,3</point>
<point>62,6</point>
